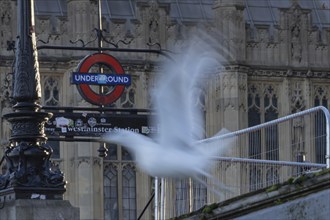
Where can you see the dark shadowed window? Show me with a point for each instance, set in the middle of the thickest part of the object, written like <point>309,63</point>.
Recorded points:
<point>119,184</point>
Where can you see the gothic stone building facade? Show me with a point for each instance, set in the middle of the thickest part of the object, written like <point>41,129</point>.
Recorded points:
<point>278,65</point>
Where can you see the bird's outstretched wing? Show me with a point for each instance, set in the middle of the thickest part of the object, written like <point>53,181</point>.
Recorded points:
<point>178,117</point>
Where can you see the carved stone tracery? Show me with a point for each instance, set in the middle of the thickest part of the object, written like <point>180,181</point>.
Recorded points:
<point>5,23</point>
<point>295,30</point>
<point>289,73</point>
<point>263,97</point>
<point>297,99</point>
<point>51,90</point>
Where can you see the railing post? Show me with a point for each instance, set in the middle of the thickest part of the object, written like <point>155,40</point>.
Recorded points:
<point>327,119</point>
<point>280,120</point>
<point>156,198</point>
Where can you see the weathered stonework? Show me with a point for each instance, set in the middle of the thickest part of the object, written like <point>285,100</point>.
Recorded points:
<point>288,61</point>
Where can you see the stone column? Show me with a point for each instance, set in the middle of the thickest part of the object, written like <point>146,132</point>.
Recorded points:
<point>153,17</point>
<point>82,21</point>
<point>228,92</point>
<point>227,108</point>
<point>227,98</point>
<point>230,23</point>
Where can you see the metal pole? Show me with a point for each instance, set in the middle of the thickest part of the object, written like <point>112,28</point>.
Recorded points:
<point>27,156</point>
<point>162,198</point>
<point>145,208</point>
<point>327,140</point>
<point>156,198</point>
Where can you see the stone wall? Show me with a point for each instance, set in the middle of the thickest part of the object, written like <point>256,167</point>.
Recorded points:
<point>290,59</point>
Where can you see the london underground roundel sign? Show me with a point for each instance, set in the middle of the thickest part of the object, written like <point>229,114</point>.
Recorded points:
<point>84,79</point>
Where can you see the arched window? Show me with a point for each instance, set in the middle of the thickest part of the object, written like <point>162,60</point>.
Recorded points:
<point>51,97</point>
<point>263,107</point>
<point>320,99</point>
<point>182,197</point>
<point>119,185</point>
<point>110,192</point>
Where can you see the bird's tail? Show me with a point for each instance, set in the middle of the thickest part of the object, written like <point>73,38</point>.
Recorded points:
<point>213,184</point>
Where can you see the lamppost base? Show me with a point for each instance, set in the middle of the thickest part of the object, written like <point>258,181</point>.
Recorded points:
<point>36,209</point>
<point>40,193</point>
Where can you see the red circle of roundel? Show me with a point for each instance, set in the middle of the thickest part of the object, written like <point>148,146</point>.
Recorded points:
<point>86,91</point>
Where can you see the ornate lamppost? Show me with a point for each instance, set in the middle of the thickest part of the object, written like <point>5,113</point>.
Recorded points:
<point>28,155</point>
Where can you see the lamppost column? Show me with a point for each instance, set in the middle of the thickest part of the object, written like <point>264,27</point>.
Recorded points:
<point>27,157</point>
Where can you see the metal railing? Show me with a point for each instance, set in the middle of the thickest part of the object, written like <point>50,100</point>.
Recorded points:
<point>263,155</point>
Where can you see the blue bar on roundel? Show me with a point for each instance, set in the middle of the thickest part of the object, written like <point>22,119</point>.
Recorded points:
<point>100,79</point>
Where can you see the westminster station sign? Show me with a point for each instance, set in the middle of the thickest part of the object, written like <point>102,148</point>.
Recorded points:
<point>96,124</point>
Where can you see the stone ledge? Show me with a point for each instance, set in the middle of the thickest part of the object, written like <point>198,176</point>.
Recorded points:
<point>278,194</point>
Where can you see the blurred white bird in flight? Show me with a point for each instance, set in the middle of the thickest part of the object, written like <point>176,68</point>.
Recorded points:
<point>177,150</point>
